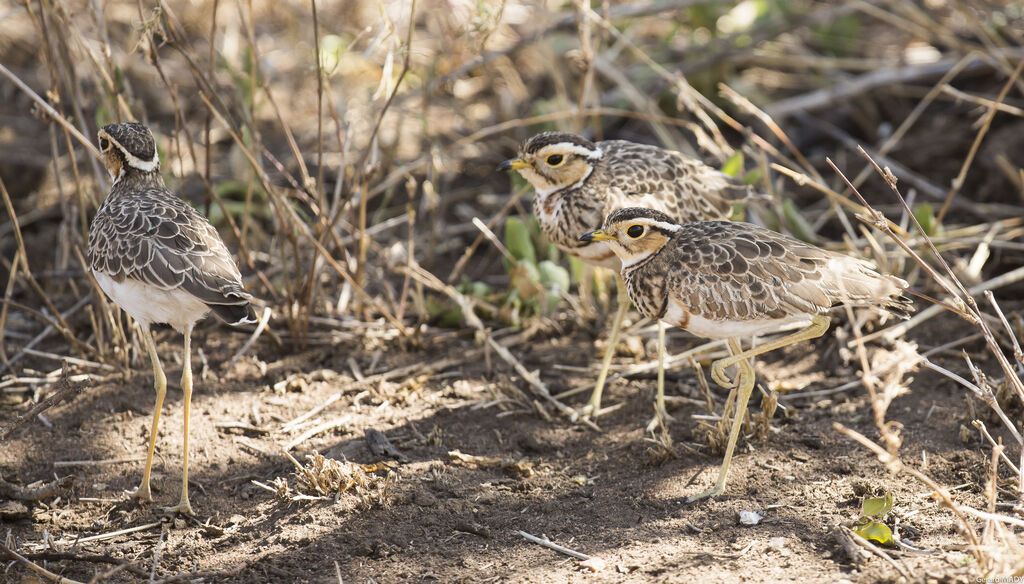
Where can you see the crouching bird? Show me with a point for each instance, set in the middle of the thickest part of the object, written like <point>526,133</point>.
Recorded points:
<point>162,262</point>
<point>579,182</point>
<point>726,280</point>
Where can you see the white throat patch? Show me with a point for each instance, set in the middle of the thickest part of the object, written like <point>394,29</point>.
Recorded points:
<point>633,260</point>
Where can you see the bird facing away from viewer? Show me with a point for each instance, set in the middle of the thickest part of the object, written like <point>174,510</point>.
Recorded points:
<point>579,182</point>
<point>726,280</point>
<point>161,261</point>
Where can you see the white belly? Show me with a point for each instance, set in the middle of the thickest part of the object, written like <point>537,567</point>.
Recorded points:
<point>148,304</point>
<point>719,329</point>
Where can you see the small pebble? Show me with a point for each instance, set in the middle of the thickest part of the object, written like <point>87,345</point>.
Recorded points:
<point>750,517</point>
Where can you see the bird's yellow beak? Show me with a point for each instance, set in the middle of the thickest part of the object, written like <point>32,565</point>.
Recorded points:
<point>513,164</point>
<point>595,236</point>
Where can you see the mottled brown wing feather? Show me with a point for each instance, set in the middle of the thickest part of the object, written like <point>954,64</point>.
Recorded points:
<point>158,239</point>
<point>687,189</point>
<point>738,271</point>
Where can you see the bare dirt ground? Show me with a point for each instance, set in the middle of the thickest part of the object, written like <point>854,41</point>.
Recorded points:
<point>441,520</point>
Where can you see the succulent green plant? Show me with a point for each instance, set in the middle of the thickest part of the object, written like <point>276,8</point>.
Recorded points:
<point>869,525</point>
<point>536,287</point>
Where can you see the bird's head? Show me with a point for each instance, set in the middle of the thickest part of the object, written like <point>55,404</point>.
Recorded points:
<point>634,234</point>
<point>128,146</point>
<point>554,160</point>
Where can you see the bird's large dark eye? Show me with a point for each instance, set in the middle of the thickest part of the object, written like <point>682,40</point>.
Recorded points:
<point>555,159</point>
<point>104,144</point>
<point>635,231</point>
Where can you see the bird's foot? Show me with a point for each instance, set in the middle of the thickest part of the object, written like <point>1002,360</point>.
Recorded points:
<point>142,493</point>
<point>661,418</point>
<point>719,376</point>
<point>589,412</point>
<point>585,413</point>
<point>182,507</point>
<point>712,492</point>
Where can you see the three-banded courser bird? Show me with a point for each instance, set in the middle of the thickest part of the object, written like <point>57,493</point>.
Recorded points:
<point>579,182</point>
<point>719,279</point>
<point>162,262</point>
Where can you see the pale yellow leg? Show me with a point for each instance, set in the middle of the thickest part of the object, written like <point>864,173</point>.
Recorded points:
<point>184,506</point>
<point>594,406</point>
<point>160,384</point>
<point>819,324</point>
<point>744,386</point>
<point>660,412</point>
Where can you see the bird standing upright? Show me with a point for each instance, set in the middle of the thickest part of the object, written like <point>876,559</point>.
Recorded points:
<point>161,261</point>
<point>579,182</point>
<point>726,280</point>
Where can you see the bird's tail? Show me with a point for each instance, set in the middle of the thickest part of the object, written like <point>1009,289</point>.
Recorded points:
<point>236,314</point>
<point>862,285</point>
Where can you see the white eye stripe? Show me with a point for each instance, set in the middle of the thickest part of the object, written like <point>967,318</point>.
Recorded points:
<point>657,224</point>
<point>666,226</point>
<point>569,147</point>
<point>138,163</point>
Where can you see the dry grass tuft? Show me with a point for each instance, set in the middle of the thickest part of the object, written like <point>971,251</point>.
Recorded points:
<point>323,478</point>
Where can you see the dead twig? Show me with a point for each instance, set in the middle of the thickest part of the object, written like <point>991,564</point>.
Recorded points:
<point>856,547</point>
<point>65,389</point>
<point>328,425</point>
<point>986,124</point>
<point>51,556</point>
<point>13,555</point>
<point>886,77</point>
<point>45,491</point>
<point>593,563</point>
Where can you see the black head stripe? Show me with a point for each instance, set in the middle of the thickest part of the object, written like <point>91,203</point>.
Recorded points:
<point>548,138</point>
<point>633,213</point>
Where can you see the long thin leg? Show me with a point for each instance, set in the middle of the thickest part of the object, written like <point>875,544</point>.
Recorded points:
<point>819,324</point>
<point>660,412</point>
<point>160,384</point>
<point>744,385</point>
<point>186,386</point>
<point>594,406</point>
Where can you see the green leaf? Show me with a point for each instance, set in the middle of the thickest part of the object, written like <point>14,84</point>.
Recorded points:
<point>795,221</point>
<point>478,289</point>
<point>734,166</point>
<point>752,176</point>
<point>876,532</point>
<point>517,240</point>
<point>526,280</point>
<point>738,212</point>
<point>577,268</point>
<point>925,215</point>
<point>444,313</point>
<point>554,277</point>
<point>877,506</point>
<point>553,252</point>
<point>474,288</point>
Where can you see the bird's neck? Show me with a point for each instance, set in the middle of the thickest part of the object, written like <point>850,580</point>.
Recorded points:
<point>132,179</point>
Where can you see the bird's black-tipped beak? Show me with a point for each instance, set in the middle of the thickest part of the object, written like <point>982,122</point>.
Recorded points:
<point>598,235</point>
<point>512,164</point>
